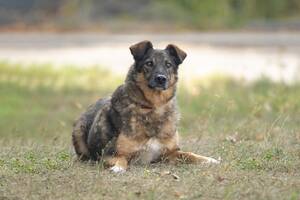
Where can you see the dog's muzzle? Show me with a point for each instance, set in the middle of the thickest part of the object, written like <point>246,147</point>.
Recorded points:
<point>159,82</point>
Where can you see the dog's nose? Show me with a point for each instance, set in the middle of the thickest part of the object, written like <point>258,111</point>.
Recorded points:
<point>161,79</point>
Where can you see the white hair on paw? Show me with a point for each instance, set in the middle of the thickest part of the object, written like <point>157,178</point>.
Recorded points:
<point>117,169</point>
<point>213,161</point>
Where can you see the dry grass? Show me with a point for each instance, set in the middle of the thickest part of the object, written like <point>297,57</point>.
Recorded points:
<point>254,128</point>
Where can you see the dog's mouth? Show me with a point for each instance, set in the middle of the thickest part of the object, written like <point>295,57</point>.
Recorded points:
<point>157,87</point>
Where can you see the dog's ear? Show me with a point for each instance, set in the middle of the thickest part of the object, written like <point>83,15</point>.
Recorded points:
<point>178,54</point>
<point>140,49</point>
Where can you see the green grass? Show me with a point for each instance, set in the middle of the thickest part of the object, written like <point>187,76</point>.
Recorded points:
<point>254,128</point>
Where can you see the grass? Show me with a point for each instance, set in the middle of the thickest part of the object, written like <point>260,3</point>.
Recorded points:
<point>254,128</point>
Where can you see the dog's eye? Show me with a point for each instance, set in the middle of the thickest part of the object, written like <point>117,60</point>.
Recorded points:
<point>149,63</point>
<point>168,64</point>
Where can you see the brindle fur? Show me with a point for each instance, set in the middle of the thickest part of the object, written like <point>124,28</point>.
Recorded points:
<point>120,127</point>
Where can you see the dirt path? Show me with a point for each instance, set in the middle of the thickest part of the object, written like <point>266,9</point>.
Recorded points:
<point>246,56</point>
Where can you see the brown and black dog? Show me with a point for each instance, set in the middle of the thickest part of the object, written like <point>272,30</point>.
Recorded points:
<point>139,121</point>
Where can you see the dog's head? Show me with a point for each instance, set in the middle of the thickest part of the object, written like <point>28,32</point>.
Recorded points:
<point>159,67</point>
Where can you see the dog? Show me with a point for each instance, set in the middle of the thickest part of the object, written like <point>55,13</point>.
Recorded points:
<point>138,123</point>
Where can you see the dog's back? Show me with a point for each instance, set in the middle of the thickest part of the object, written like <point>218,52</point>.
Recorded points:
<point>82,127</point>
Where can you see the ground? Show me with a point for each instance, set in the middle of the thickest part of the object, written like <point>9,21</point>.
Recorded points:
<point>253,127</point>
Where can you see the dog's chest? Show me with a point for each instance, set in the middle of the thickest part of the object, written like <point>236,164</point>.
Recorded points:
<point>151,151</point>
<point>152,123</point>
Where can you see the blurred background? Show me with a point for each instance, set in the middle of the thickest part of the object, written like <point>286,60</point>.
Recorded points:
<point>141,15</point>
<point>244,39</point>
<point>58,56</point>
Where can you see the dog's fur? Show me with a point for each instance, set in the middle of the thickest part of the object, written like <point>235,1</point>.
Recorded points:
<point>139,121</point>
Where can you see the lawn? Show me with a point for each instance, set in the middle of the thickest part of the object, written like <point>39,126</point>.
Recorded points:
<point>254,128</point>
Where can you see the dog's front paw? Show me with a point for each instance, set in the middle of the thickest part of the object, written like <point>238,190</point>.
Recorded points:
<point>117,169</point>
<point>213,161</point>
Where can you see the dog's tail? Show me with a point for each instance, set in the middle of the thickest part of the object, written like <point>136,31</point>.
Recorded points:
<point>79,138</point>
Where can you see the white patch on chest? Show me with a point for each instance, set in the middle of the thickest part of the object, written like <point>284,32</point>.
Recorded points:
<point>151,151</point>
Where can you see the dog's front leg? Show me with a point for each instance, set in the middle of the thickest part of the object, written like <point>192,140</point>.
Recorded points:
<point>189,157</point>
<point>119,164</point>
<point>126,148</point>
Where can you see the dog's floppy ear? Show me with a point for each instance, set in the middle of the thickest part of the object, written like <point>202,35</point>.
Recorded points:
<point>178,54</point>
<point>140,49</point>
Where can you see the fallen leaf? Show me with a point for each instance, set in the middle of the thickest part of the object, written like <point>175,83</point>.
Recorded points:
<point>164,173</point>
<point>175,176</point>
<point>138,193</point>
<point>220,179</point>
<point>179,195</point>
<point>259,137</point>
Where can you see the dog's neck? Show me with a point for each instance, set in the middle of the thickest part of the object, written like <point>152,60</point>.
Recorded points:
<point>138,91</point>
